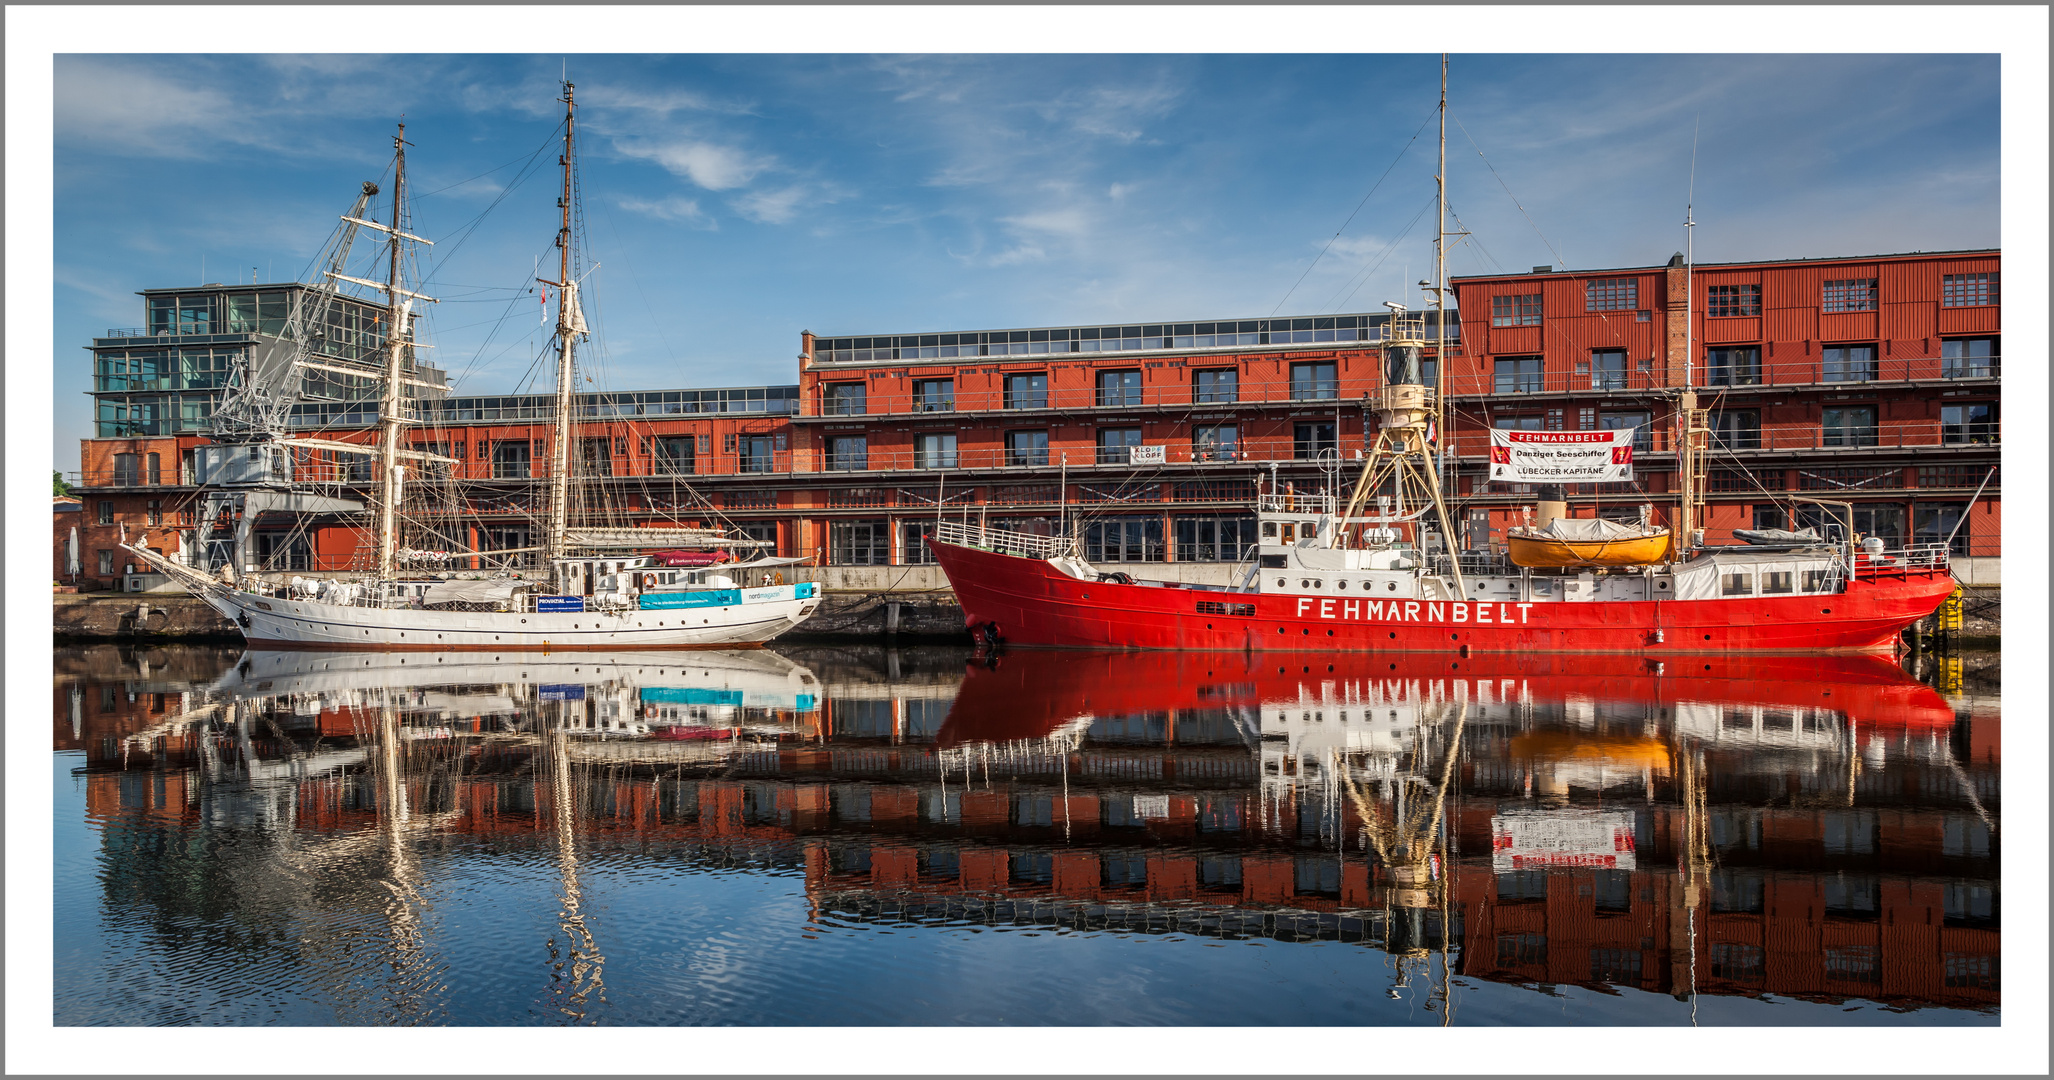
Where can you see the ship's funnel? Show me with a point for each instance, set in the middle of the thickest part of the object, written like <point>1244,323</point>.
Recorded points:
<point>1549,506</point>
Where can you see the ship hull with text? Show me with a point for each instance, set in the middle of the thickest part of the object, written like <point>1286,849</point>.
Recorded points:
<point>1012,595</point>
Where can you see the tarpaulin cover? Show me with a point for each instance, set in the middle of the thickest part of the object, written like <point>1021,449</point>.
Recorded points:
<point>1588,529</point>
<point>467,591</point>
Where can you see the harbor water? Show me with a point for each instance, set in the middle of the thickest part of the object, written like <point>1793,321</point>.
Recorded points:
<point>856,835</point>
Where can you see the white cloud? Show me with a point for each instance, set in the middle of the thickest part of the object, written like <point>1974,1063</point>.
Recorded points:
<point>127,108</point>
<point>773,207</point>
<point>676,208</point>
<point>713,167</point>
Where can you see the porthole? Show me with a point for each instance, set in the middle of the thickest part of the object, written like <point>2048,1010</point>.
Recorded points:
<point>1330,633</point>
<point>1305,583</point>
<point>1480,586</point>
<point>1394,635</point>
<point>1280,583</point>
<point>1308,631</point>
<point>1391,585</point>
<point>1661,584</point>
<point>1340,585</point>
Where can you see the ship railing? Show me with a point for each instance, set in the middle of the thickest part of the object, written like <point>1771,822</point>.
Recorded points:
<point>1289,503</point>
<point>1481,563</point>
<point>1003,541</point>
<point>1924,556</point>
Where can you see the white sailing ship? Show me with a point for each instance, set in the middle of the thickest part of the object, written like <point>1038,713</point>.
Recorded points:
<point>593,591</point>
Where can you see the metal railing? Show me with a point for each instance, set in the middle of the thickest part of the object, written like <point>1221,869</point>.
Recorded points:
<point>1173,395</point>
<point>1004,542</point>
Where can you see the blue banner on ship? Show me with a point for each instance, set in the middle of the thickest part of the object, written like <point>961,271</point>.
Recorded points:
<point>696,598</point>
<point>559,603</point>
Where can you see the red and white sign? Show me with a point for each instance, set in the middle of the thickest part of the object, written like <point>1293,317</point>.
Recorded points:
<point>1537,840</point>
<point>1562,457</point>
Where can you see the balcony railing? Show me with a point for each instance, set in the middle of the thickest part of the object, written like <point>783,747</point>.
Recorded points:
<point>1182,395</point>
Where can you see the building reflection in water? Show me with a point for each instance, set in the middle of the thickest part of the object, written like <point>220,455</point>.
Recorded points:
<point>1821,829</point>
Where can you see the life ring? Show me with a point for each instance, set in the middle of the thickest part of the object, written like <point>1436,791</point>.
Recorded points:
<point>649,712</point>
<point>648,582</point>
<point>777,577</point>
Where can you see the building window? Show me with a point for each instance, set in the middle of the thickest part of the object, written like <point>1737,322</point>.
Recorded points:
<point>1725,301</point>
<point>1119,388</point>
<point>1516,310</point>
<point>1026,447</point>
<point>1214,539</point>
<point>1733,367</point>
<point>1737,429</point>
<point>1641,421</point>
<point>1737,963</point>
<point>125,470</point>
<point>1608,369</point>
<point>934,450</point>
<point>1027,391</point>
<point>1611,294</point>
<point>156,468</point>
<point>1856,294</point>
<point>510,460</point>
<point>1974,422</point>
<point>1941,523</point>
<point>1307,440</point>
<point>1968,358</point>
<point>1535,422</point>
<point>1314,382</point>
<point>1968,290</point>
<point>1215,442</point>
<point>934,395</point>
<point>865,542</point>
<point>1113,444</point>
<point>1517,375</point>
<point>1852,425</point>
<point>155,515</point>
<point>674,454</point>
<point>849,452</point>
<point>1124,539</point>
<point>843,399</point>
<point>106,562</point>
<point>1847,363</point>
<point>913,537</point>
<point>105,514</point>
<point>759,453</point>
<point>1215,387</point>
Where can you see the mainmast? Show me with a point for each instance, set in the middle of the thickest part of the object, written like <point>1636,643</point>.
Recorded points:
<point>566,318</point>
<point>1690,425</point>
<point>1408,411</point>
<point>389,419</point>
<point>1441,283</point>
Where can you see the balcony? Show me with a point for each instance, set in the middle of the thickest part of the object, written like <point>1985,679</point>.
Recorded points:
<point>1250,394</point>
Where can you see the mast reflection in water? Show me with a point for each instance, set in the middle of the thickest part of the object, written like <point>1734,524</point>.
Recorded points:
<point>1033,837</point>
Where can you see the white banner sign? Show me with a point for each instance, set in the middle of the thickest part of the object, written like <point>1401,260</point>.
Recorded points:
<point>1530,840</point>
<point>1561,457</point>
<point>1145,455</point>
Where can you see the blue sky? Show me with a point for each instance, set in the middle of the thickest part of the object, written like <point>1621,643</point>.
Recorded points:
<point>734,200</point>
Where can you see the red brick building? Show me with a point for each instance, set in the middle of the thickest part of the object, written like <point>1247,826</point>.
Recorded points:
<point>1874,380</point>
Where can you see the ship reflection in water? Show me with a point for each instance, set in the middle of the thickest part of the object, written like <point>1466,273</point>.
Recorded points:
<point>470,838</point>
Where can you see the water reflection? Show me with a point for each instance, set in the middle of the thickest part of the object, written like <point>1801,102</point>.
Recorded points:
<point>1800,828</point>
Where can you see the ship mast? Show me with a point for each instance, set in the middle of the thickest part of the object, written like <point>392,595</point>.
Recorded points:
<point>1690,420</point>
<point>389,419</point>
<point>559,450</point>
<point>1405,449</point>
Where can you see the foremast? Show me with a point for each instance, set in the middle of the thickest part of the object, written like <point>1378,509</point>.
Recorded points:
<point>568,321</point>
<point>1406,451</point>
<point>389,403</point>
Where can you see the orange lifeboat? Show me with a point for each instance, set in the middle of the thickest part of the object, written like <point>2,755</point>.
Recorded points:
<point>1572,542</point>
